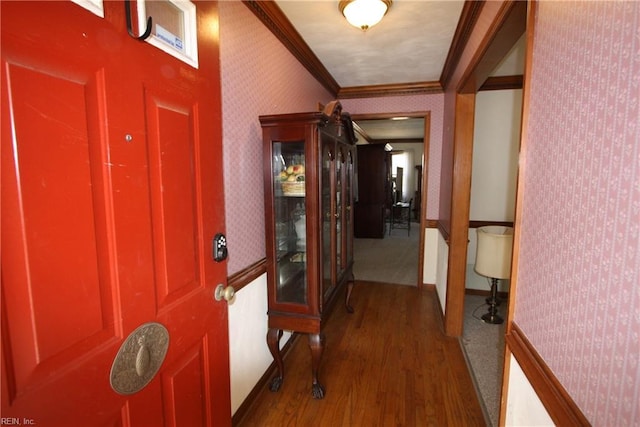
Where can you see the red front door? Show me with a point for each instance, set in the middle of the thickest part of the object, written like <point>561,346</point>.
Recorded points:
<point>111,195</point>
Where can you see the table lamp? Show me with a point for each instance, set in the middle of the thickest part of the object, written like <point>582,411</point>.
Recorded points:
<point>493,260</point>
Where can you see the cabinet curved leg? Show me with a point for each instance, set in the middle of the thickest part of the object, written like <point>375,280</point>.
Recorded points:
<point>273,341</point>
<point>316,345</point>
<point>347,301</point>
<point>350,282</point>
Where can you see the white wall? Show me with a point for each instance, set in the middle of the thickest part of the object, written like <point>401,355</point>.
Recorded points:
<point>495,155</point>
<point>524,408</point>
<point>250,356</point>
<point>442,269</point>
<point>495,166</point>
<point>430,256</point>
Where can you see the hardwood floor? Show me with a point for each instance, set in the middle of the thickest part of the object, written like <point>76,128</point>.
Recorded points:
<point>387,364</point>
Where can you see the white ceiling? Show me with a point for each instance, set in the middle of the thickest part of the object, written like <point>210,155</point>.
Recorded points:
<point>386,130</point>
<point>409,45</point>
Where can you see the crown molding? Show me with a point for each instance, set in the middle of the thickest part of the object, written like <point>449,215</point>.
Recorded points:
<point>272,17</point>
<point>394,89</point>
<point>468,18</point>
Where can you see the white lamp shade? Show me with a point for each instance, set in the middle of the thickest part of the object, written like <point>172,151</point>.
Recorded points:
<point>364,13</point>
<point>493,254</point>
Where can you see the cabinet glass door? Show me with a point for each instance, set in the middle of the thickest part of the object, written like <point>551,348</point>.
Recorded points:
<point>349,204</point>
<point>328,219</point>
<point>290,224</point>
<point>339,212</point>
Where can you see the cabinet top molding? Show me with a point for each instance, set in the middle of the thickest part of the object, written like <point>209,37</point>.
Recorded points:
<point>329,114</point>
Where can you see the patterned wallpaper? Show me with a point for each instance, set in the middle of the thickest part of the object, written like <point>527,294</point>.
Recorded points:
<point>578,297</point>
<point>407,104</point>
<point>259,76</point>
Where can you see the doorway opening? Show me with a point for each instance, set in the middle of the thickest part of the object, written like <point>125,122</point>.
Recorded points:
<point>495,142</point>
<point>389,243</point>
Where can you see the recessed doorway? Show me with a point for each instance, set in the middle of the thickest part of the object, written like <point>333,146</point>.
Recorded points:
<point>396,252</point>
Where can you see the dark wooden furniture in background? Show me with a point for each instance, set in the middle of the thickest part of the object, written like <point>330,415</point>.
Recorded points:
<point>309,163</point>
<point>374,191</point>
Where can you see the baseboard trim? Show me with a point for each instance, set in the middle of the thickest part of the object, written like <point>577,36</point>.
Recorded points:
<point>262,383</point>
<point>561,407</point>
<point>474,379</point>
<point>434,289</point>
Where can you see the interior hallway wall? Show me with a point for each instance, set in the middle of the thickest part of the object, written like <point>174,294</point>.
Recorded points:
<point>578,298</point>
<point>259,76</point>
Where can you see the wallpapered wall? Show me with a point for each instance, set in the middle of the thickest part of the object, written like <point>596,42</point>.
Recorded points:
<point>259,76</point>
<point>408,104</point>
<point>578,283</point>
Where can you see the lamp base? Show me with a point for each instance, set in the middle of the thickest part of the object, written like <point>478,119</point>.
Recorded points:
<point>488,301</point>
<point>492,316</point>
<point>493,319</point>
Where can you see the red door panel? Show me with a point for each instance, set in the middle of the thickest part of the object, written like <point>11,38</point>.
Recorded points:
<point>56,233</point>
<point>58,310</point>
<point>111,170</point>
<point>182,382</point>
<point>171,152</point>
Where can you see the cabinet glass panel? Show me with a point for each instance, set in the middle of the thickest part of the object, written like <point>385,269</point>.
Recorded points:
<point>327,159</point>
<point>290,222</point>
<point>339,214</point>
<point>348,202</point>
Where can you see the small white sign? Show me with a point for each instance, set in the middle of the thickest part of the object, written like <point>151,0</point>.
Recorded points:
<point>169,38</point>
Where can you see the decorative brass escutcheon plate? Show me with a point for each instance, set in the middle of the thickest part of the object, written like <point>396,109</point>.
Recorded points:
<point>139,358</point>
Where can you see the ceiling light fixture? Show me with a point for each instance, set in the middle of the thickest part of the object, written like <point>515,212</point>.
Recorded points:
<point>364,14</point>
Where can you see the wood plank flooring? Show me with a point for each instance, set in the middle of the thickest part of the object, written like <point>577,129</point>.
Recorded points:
<point>387,364</point>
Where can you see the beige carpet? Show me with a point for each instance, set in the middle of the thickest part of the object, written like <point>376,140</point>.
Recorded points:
<point>393,259</point>
<point>483,344</point>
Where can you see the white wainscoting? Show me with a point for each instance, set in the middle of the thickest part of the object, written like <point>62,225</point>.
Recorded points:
<point>250,356</point>
<point>524,407</point>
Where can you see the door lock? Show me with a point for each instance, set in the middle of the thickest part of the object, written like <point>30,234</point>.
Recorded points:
<point>220,247</point>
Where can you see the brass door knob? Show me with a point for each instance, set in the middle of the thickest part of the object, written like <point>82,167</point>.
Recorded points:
<point>224,293</point>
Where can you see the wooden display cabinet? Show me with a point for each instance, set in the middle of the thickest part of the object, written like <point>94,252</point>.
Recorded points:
<point>309,163</point>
